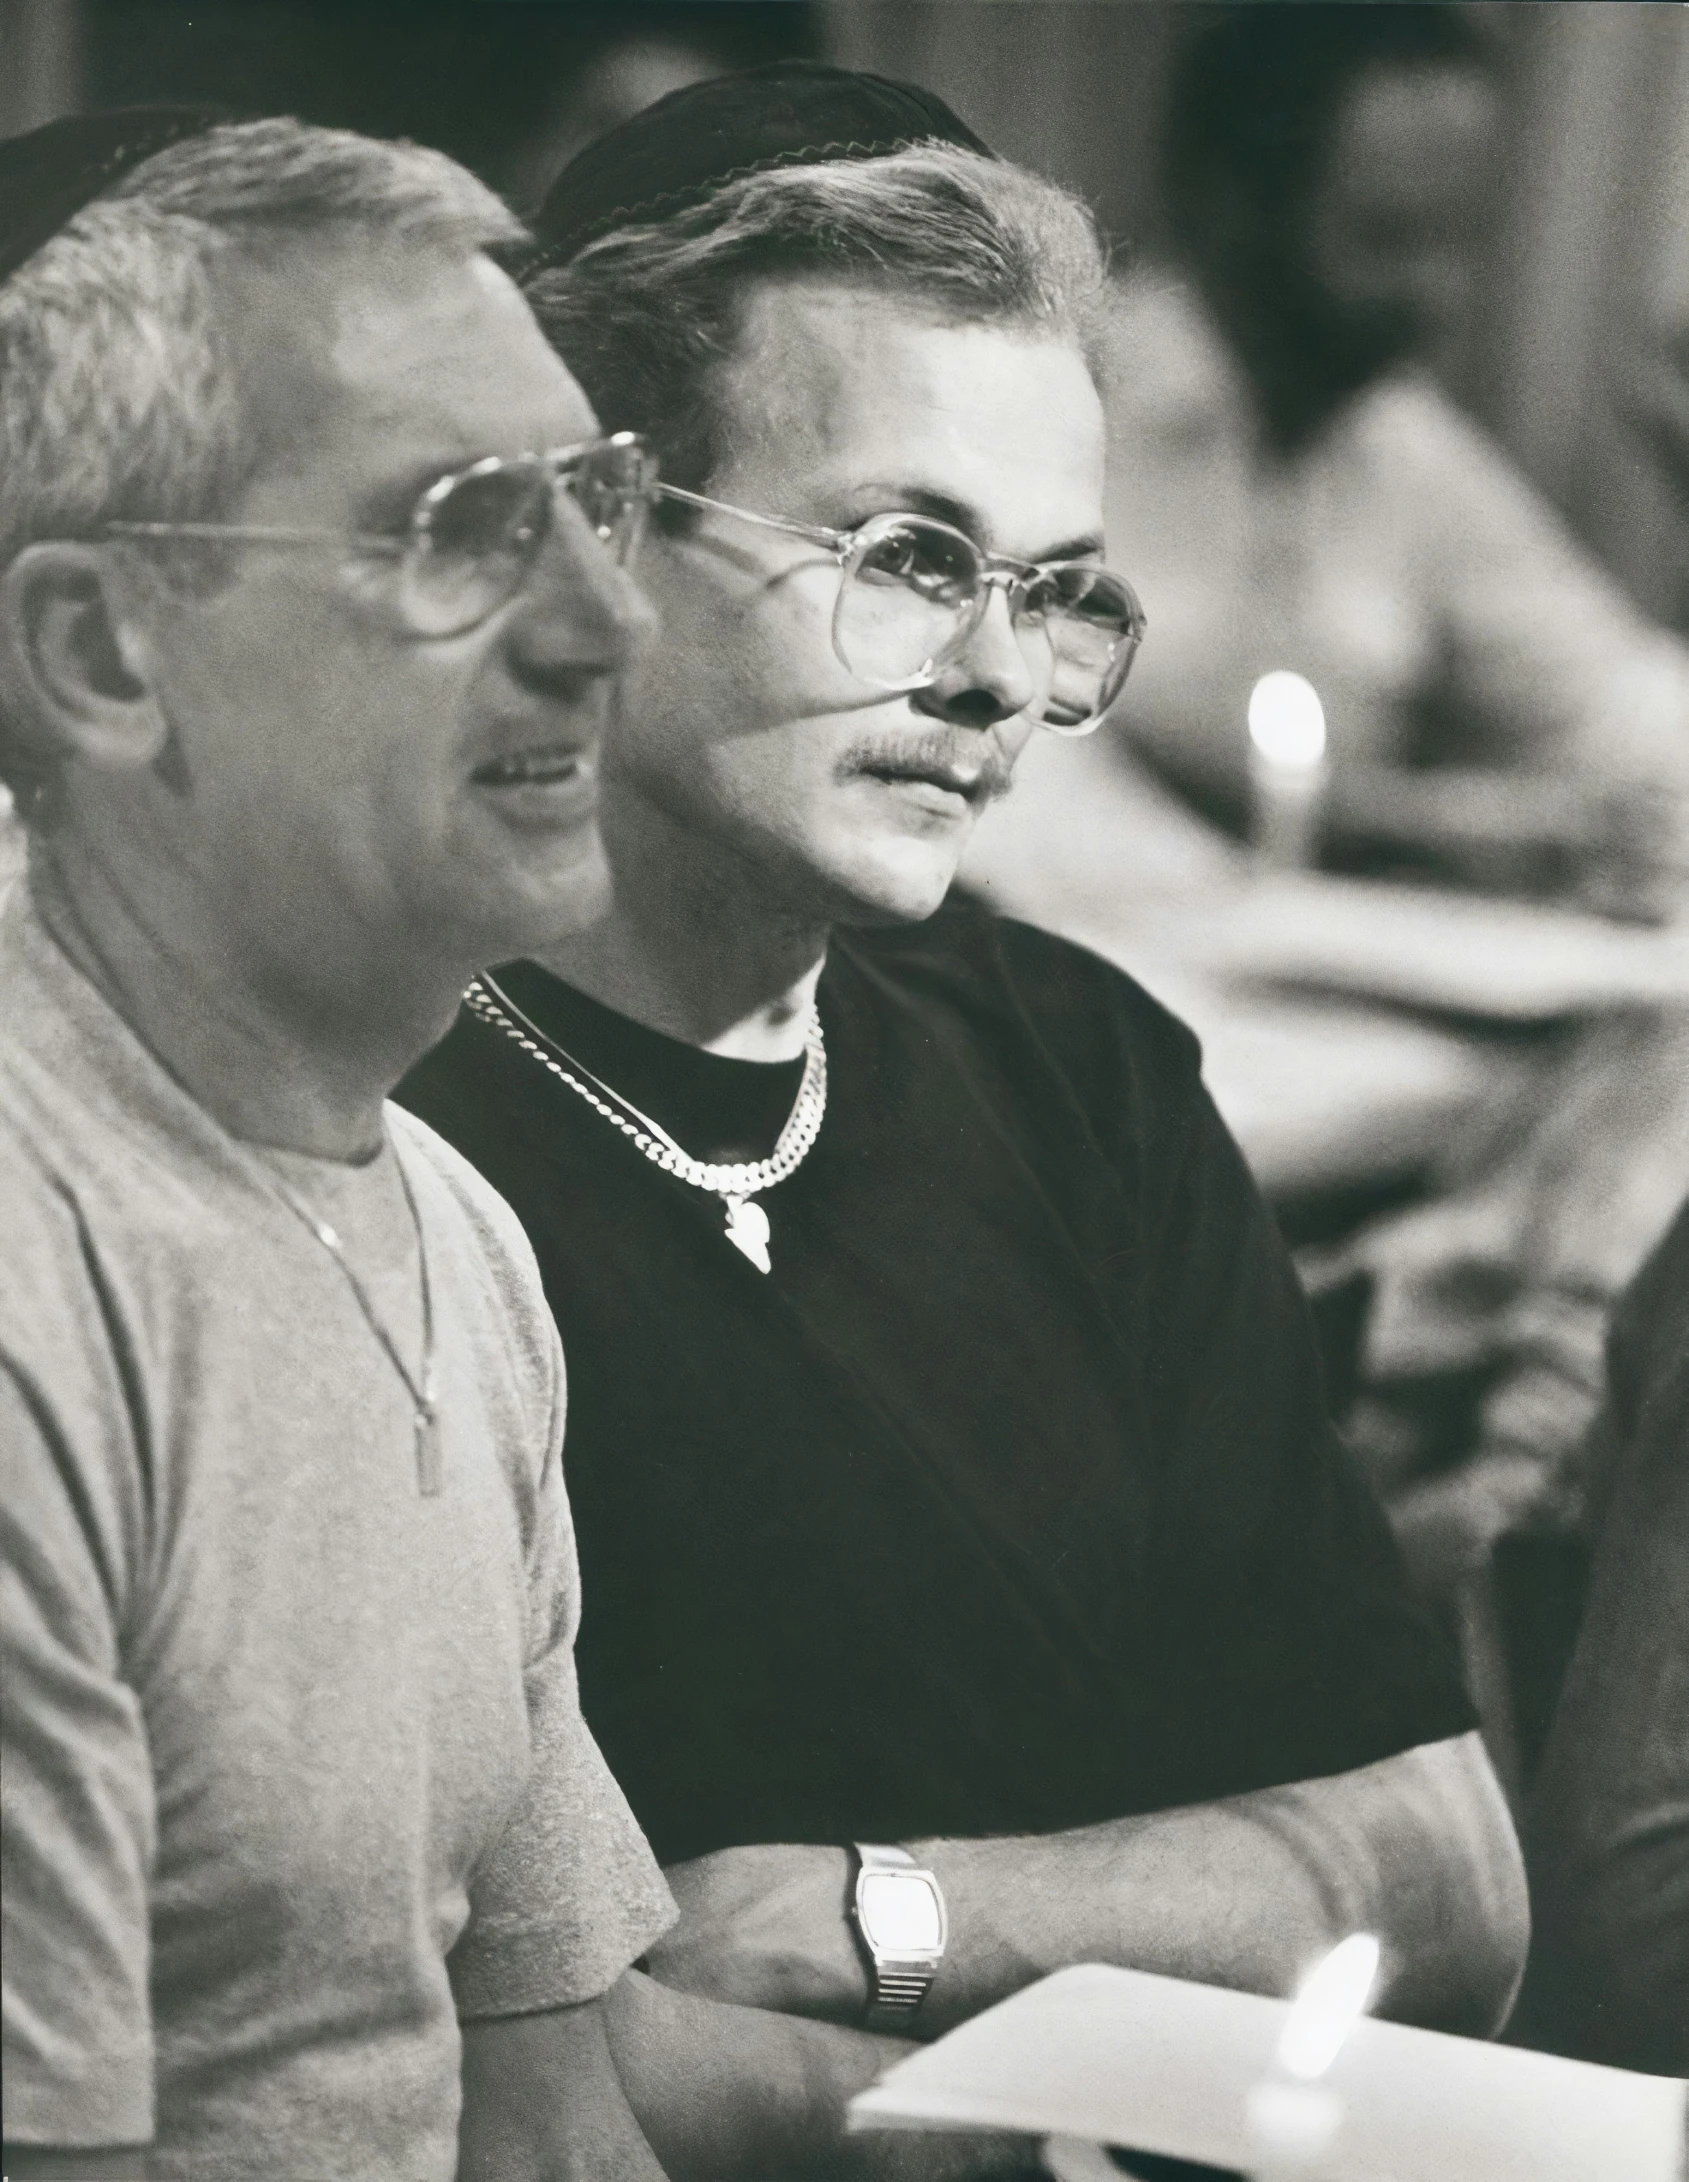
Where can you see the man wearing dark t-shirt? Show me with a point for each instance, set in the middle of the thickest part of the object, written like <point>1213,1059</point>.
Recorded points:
<point>946,1437</point>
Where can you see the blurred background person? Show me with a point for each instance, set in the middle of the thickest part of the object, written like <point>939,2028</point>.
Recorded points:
<point>1292,489</point>
<point>1481,1359</point>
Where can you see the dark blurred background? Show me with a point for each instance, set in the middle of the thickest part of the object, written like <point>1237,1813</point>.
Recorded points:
<point>1588,248</point>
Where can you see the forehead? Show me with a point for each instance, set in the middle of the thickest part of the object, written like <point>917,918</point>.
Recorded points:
<point>1412,133</point>
<point>835,391</point>
<point>367,361</point>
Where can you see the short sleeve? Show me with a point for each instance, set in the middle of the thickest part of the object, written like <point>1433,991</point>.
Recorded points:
<point>79,1824</point>
<point>571,1894</point>
<point>1294,1646</point>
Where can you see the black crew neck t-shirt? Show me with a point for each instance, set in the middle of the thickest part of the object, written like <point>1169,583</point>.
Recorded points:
<point>1006,1501</point>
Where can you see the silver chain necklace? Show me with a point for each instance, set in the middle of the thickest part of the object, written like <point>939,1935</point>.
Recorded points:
<point>736,1184</point>
<point>424,1390</point>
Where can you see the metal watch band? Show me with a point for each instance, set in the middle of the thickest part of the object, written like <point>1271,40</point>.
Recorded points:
<point>900,1992</point>
<point>884,1856</point>
<point>900,1985</point>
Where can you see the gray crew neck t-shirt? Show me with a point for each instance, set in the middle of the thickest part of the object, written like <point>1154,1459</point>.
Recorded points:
<point>294,1768</point>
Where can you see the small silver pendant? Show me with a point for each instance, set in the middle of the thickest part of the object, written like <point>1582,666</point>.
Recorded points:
<point>748,1230</point>
<point>430,1462</point>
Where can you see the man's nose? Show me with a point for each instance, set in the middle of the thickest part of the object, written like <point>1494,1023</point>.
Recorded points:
<point>988,680</point>
<point>581,609</point>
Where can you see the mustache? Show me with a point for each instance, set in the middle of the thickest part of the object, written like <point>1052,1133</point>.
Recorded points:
<point>961,755</point>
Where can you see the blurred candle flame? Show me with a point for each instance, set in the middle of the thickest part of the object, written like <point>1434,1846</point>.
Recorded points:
<point>1329,2002</point>
<point>1287,721</point>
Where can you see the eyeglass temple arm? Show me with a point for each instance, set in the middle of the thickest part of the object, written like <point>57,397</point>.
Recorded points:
<point>258,533</point>
<point>994,568</point>
<point>839,540</point>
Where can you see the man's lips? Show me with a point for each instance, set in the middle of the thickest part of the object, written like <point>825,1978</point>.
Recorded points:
<point>541,787</point>
<point>973,784</point>
<point>970,768</point>
<point>541,765</point>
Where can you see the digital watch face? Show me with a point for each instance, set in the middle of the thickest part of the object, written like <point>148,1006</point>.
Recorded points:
<point>899,1913</point>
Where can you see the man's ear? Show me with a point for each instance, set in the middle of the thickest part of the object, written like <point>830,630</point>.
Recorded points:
<point>75,663</point>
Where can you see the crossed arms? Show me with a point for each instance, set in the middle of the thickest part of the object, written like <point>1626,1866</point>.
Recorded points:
<point>739,2060</point>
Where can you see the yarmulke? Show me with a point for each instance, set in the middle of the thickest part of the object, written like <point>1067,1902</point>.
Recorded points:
<point>50,173</point>
<point>786,113</point>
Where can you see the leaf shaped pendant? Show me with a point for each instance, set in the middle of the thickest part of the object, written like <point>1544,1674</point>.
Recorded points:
<point>748,1230</point>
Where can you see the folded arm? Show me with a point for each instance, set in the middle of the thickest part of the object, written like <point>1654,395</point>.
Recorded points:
<point>1418,1849</point>
<point>742,2094</point>
<point>543,2102</point>
<point>1245,1892</point>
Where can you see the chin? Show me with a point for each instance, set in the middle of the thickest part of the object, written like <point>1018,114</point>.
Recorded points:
<point>553,903</point>
<point>898,887</point>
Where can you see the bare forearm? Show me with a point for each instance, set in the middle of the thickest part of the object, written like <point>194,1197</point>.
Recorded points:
<point>731,2094</point>
<point>1246,1892</point>
<point>1496,828</point>
<point>1615,845</point>
<point>542,2102</point>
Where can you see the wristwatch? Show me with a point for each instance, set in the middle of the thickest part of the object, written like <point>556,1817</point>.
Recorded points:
<point>897,1912</point>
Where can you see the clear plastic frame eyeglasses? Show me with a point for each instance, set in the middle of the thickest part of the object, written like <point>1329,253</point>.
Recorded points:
<point>474,535</point>
<point>913,590</point>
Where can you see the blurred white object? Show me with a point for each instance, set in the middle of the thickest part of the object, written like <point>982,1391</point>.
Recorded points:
<point>1329,2002</point>
<point>1288,772</point>
<point>13,848</point>
<point>1287,722</point>
<point>1293,2131</point>
<point>1292,2120</point>
<point>1122,2057</point>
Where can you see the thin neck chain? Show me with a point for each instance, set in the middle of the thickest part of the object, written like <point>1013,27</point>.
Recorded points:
<point>423,1390</point>
<point>732,1181</point>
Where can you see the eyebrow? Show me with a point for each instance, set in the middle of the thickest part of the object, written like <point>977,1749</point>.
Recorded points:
<point>904,498</point>
<point>386,502</point>
<point>389,499</point>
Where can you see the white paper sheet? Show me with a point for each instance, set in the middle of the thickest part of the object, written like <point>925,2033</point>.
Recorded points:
<point>1158,2065</point>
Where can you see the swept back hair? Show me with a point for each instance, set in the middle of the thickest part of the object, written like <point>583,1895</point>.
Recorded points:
<point>647,316</point>
<point>120,378</point>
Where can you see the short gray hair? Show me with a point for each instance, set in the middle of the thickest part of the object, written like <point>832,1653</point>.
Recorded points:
<point>120,394</point>
<point>647,315</point>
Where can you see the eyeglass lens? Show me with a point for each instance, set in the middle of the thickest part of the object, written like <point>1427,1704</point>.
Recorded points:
<point>479,532</point>
<point>912,595</point>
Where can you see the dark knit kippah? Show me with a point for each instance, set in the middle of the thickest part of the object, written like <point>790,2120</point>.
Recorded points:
<point>48,175</point>
<point>787,113</point>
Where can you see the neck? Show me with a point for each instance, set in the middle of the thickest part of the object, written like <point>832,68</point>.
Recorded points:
<point>695,945</point>
<point>274,1059</point>
<point>1302,359</point>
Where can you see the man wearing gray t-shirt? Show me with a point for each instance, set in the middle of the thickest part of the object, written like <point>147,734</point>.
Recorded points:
<point>303,659</point>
